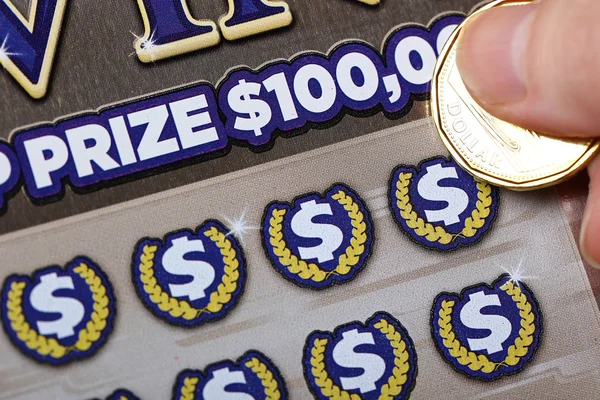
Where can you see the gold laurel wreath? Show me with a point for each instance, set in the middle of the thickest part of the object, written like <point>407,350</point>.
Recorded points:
<point>481,362</point>
<point>396,382</point>
<point>181,308</point>
<point>311,271</point>
<point>393,387</point>
<point>266,377</point>
<point>45,346</point>
<point>188,389</point>
<point>328,388</point>
<point>436,233</point>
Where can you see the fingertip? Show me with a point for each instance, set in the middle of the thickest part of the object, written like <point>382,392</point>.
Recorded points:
<point>590,231</point>
<point>535,65</point>
<point>489,55</point>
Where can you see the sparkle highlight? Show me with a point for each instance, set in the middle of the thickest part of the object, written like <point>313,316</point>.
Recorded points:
<point>5,53</point>
<point>239,227</point>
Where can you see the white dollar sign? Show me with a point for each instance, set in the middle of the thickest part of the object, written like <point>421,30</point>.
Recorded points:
<point>331,236</point>
<point>429,189</point>
<point>215,388</point>
<point>71,310</point>
<point>174,263</point>
<point>471,317</point>
<point>372,365</point>
<point>259,111</point>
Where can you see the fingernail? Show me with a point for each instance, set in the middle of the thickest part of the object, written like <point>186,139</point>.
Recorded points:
<point>590,227</point>
<point>490,54</point>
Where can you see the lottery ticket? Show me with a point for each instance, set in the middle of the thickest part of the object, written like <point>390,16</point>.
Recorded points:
<point>251,201</point>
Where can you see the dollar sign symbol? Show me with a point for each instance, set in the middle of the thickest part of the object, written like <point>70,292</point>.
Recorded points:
<point>331,236</point>
<point>372,365</point>
<point>215,388</point>
<point>240,100</point>
<point>429,189</point>
<point>174,263</point>
<point>471,317</point>
<point>71,310</point>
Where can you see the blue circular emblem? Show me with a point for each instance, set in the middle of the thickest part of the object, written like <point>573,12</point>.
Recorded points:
<point>122,394</point>
<point>252,376</point>
<point>59,314</point>
<point>440,206</point>
<point>190,278</point>
<point>319,240</point>
<point>373,360</point>
<point>487,332</point>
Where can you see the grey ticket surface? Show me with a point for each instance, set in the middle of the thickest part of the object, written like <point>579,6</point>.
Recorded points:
<point>530,239</point>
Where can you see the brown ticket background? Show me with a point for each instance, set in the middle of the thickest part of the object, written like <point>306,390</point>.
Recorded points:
<point>144,354</point>
<point>94,67</point>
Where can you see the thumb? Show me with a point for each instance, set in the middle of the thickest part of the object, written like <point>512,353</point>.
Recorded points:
<point>536,65</point>
<point>590,231</point>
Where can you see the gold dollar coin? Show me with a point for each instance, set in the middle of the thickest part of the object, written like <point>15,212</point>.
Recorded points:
<point>495,150</point>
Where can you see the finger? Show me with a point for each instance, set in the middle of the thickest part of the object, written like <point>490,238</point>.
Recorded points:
<point>536,65</point>
<point>590,231</point>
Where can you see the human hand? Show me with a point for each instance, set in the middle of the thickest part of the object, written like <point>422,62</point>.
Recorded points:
<point>538,66</point>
